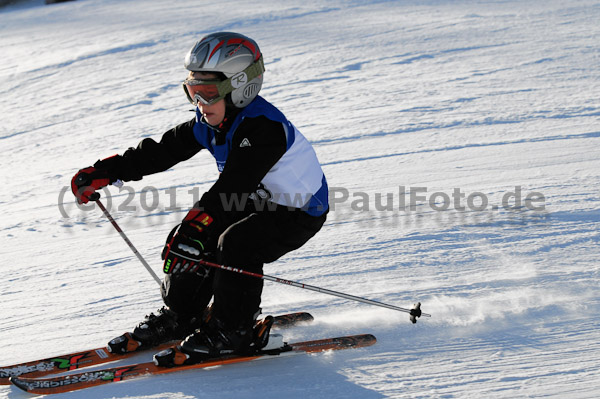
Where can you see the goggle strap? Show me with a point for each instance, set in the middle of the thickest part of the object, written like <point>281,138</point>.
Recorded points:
<point>253,71</point>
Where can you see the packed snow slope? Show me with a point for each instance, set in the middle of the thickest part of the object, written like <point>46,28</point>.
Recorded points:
<point>461,142</point>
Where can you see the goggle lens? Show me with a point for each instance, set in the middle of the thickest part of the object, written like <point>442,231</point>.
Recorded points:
<point>202,91</point>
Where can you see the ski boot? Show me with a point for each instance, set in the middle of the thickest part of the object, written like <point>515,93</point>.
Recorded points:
<point>213,341</point>
<point>157,329</point>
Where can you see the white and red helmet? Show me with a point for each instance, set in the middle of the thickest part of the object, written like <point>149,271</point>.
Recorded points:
<point>235,56</point>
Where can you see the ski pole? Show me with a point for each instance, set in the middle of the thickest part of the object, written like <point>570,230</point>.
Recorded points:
<point>414,312</point>
<point>135,251</point>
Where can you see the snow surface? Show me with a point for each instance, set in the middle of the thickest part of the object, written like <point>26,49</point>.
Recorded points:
<point>396,96</point>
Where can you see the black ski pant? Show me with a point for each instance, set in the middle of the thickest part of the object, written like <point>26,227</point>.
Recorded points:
<point>249,243</point>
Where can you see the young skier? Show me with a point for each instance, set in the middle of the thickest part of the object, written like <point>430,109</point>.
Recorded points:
<point>270,198</point>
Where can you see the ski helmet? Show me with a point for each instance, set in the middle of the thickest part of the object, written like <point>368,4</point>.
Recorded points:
<point>235,56</point>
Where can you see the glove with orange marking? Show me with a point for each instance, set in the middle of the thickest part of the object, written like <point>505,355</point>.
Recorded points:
<point>187,244</point>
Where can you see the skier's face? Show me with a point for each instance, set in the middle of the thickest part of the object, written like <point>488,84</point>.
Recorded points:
<point>213,113</point>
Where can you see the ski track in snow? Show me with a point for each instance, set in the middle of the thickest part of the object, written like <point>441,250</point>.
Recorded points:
<point>481,96</point>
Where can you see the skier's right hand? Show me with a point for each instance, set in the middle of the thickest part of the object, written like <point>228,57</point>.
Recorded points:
<point>87,181</point>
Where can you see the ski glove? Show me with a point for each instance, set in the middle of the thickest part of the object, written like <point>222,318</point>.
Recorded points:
<point>187,244</point>
<point>87,181</point>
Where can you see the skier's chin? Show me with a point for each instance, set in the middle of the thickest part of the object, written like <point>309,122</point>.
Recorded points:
<point>211,119</point>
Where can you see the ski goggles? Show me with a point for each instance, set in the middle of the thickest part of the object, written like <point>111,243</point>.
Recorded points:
<point>210,91</point>
<point>204,91</point>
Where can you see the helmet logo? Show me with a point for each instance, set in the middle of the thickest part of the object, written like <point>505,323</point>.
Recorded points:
<point>251,90</point>
<point>235,50</point>
<point>239,80</point>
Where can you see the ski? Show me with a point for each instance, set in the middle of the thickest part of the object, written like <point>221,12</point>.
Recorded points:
<point>73,382</point>
<point>92,357</point>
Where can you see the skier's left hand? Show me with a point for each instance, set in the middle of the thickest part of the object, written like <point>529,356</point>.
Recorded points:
<point>187,244</point>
